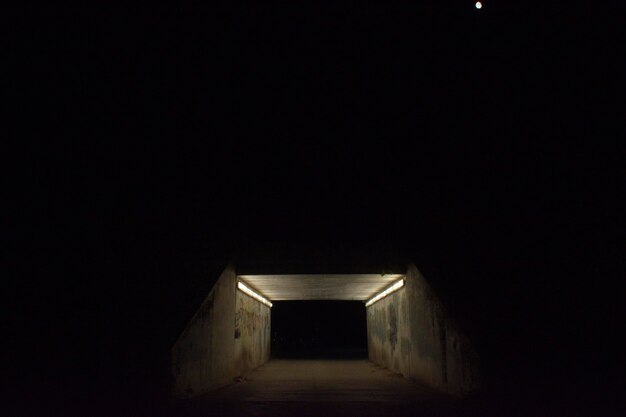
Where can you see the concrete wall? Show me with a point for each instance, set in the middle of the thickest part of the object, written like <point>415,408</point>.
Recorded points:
<point>252,334</point>
<point>388,332</point>
<point>227,337</point>
<point>203,356</point>
<point>411,333</point>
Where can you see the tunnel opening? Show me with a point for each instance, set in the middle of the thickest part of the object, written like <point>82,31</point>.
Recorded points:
<point>394,321</point>
<point>319,330</point>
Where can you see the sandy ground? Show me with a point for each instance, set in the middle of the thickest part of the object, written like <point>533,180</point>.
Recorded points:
<point>320,388</point>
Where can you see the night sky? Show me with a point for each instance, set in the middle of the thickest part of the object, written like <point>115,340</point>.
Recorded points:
<point>155,143</point>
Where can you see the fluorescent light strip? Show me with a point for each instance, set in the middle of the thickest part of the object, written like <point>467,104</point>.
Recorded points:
<point>252,294</point>
<point>396,286</point>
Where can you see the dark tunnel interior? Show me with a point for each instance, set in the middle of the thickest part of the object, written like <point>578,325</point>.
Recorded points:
<point>319,329</point>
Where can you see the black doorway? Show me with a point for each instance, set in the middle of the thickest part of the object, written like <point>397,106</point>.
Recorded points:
<point>319,329</point>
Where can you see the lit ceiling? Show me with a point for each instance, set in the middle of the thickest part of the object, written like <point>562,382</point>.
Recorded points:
<point>360,287</point>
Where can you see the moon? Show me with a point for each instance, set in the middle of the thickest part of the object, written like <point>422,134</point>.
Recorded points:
<point>479,5</point>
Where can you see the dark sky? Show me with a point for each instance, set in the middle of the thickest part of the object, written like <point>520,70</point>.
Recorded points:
<point>158,141</point>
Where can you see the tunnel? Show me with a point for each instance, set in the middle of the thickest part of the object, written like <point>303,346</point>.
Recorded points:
<point>408,331</point>
<point>319,329</point>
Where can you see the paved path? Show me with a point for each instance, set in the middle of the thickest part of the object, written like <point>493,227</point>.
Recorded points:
<point>319,388</point>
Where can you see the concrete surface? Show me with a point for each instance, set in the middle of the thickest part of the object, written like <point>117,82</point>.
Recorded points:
<point>359,287</point>
<point>410,332</point>
<point>203,356</point>
<point>389,332</point>
<point>252,334</point>
<point>228,337</point>
<point>314,388</point>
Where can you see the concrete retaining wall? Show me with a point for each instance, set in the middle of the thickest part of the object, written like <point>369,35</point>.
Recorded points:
<point>411,333</point>
<point>252,334</point>
<point>203,356</point>
<point>228,336</point>
<point>388,332</point>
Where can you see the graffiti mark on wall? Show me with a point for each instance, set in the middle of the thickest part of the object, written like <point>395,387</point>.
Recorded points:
<point>393,325</point>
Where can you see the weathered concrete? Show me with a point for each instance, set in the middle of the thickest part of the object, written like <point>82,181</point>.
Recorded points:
<point>282,287</point>
<point>317,387</point>
<point>203,356</point>
<point>252,334</point>
<point>323,380</point>
<point>410,332</point>
<point>229,336</point>
<point>388,332</point>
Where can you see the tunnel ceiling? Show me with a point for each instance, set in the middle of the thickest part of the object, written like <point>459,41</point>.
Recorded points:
<point>359,287</point>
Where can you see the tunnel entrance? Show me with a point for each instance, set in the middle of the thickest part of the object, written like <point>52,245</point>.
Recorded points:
<point>318,330</point>
<point>393,320</point>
